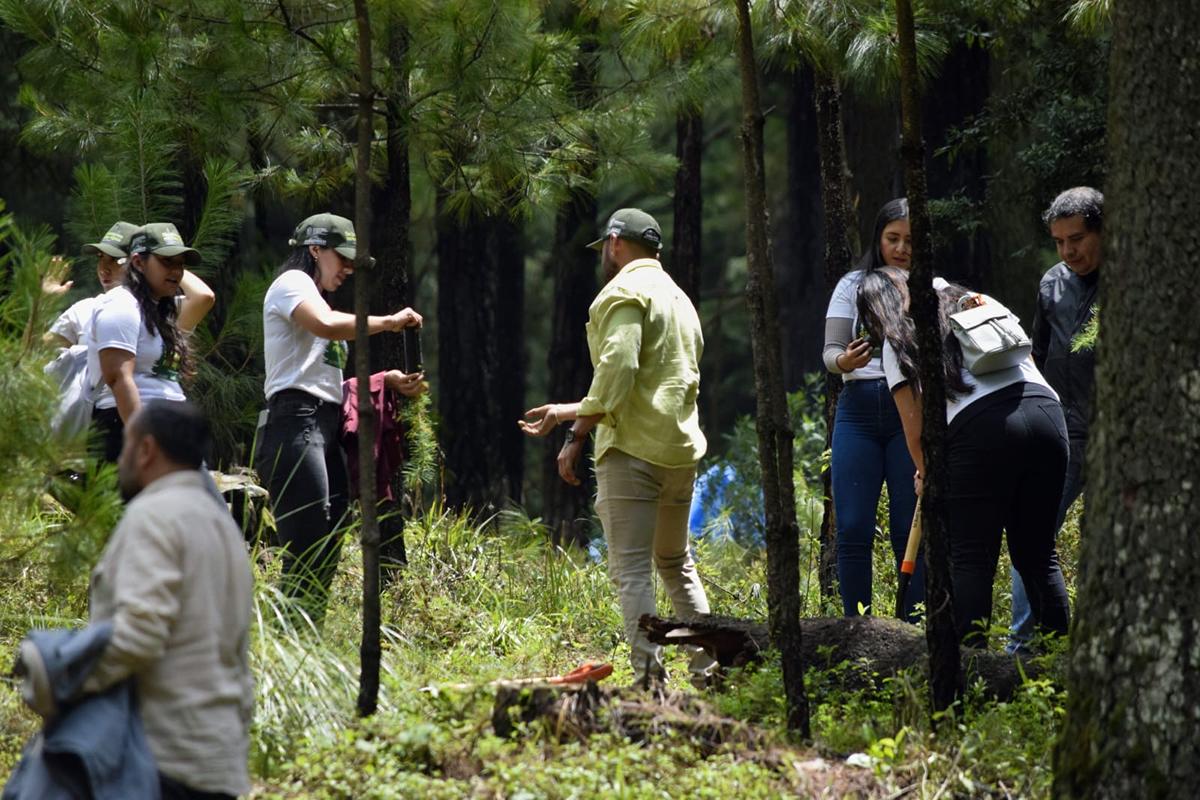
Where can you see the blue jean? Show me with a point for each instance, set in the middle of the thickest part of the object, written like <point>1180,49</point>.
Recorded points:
<point>1022,615</point>
<point>869,448</point>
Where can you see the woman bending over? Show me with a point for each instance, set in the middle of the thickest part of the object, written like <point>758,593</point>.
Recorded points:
<point>1006,459</point>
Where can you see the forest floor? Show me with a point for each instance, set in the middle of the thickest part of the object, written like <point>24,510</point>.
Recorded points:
<point>478,604</point>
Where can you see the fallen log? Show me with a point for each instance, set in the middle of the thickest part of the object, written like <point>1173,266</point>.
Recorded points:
<point>878,647</point>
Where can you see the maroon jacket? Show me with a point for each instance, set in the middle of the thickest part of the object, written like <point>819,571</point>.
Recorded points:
<point>389,434</point>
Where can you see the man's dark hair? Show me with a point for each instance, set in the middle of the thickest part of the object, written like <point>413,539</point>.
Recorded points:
<point>180,429</point>
<point>1082,201</point>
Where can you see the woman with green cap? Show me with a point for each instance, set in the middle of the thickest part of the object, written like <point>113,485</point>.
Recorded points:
<point>139,331</point>
<point>111,253</point>
<point>298,453</point>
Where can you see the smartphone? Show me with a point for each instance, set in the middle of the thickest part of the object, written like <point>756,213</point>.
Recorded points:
<point>413,362</point>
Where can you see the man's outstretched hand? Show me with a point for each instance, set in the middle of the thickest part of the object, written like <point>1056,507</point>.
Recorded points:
<point>540,421</point>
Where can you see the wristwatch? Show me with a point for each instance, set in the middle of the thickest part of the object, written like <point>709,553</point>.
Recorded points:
<point>572,438</point>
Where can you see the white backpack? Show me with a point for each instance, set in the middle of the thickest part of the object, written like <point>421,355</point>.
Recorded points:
<point>991,336</point>
<point>76,391</point>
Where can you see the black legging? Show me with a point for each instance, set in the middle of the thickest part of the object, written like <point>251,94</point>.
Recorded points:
<point>1007,458</point>
<point>300,460</point>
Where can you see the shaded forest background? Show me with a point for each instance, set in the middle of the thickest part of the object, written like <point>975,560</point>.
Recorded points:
<point>505,134</point>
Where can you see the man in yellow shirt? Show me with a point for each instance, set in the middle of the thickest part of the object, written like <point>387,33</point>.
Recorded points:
<point>645,343</point>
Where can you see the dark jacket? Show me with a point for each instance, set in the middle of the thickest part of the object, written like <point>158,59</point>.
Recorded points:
<point>1065,303</point>
<point>91,746</point>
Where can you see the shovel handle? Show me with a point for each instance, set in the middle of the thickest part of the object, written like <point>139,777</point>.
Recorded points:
<point>908,565</point>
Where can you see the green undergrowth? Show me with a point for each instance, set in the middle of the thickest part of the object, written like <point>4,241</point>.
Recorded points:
<point>481,602</point>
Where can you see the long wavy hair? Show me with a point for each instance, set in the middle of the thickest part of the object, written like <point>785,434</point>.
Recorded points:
<point>891,211</point>
<point>160,316</point>
<point>882,307</point>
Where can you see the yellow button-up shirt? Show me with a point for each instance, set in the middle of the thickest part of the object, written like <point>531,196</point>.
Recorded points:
<point>645,343</point>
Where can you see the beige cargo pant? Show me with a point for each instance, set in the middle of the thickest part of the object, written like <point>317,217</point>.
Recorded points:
<point>644,511</point>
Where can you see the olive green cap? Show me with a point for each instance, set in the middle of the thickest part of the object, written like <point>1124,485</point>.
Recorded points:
<point>632,224</point>
<point>328,230</point>
<point>114,243</point>
<point>163,239</point>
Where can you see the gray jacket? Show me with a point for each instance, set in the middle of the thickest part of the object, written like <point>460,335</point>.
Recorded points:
<point>91,745</point>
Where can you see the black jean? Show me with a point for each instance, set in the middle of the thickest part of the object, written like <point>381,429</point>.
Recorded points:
<point>174,790</point>
<point>300,459</point>
<point>107,434</point>
<point>1007,459</point>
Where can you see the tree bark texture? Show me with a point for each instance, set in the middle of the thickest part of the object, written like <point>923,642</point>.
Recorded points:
<point>391,239</point>
<point>1133,708</point>
<point>468,364</point>
<point>572,268</point>
<point>508,248</point>
<point>369,650</point>
<point>944,667</point>
<point>827,99</point>
<point>773,425</point>
<point>392,245</point>
<point>565,507</point>
<point>684,265</point>
<point>802,298</point>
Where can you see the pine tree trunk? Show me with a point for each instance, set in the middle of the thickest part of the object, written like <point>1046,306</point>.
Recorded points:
<point>508,248</point>
<point>468,359</point>
<point>565,507</point>
<point>774,430</point>
<point>961,89</point>
<point>800,261</point>
<point>572,268</point>
<point>392,246</point>
<point>944,668</point>
<point>684,265</point>
<point>391,240</point>
<point>369,650</point>
<point>828,100</point>
<point>1133,693</point>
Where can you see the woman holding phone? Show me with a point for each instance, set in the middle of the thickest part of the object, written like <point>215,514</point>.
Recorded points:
<point>868,440</point>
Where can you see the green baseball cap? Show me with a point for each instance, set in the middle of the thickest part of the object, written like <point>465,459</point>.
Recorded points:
<point>163,239</point>
<point>114,243</point>
<point>632,224</point>
<point>328,230</point>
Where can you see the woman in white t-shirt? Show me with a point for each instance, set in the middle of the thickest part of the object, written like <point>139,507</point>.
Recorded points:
<point>1006,459</point>
<point>139,330</point>
<point>111,253</point>
<point>298,453</point>
<point>868,441</point>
